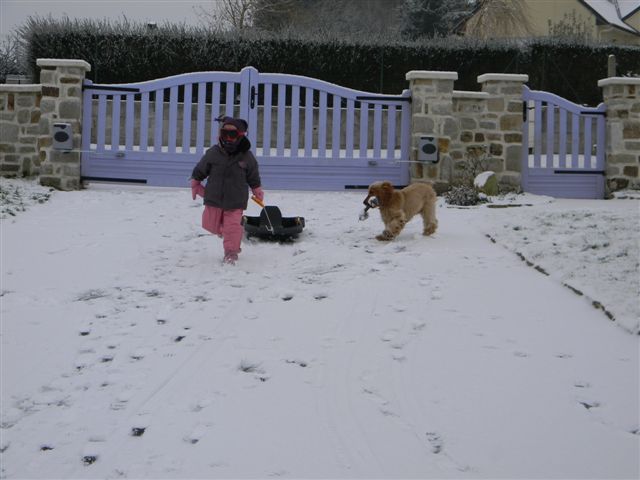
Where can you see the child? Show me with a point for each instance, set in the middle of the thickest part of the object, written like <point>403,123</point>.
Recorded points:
<point>229,168</point>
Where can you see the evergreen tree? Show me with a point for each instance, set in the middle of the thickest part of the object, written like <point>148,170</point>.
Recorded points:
<point>428,18</point>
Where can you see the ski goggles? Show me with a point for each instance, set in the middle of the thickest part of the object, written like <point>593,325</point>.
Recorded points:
<point>230,134</point>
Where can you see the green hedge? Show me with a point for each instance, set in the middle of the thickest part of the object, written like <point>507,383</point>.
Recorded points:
<point>126,52</point>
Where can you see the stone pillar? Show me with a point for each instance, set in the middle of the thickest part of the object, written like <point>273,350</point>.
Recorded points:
<point>622,98</point>
<point>502,125</point>
<point>19,129</point>
<point>432,115</point>
<point>61,102</point>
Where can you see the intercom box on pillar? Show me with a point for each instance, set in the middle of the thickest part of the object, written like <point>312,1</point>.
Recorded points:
<point>62,136</point>
<point>428,150</point>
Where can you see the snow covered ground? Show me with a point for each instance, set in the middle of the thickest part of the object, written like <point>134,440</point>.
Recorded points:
<point>129,351</point>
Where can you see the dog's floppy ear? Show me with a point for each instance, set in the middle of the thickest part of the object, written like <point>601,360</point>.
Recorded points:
<point>385,192</point>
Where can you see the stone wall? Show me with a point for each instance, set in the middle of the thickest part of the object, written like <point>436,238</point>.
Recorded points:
<point>61,102</point>
<point>476,131</point>
<point>19,129</point>
<point>622,97</point>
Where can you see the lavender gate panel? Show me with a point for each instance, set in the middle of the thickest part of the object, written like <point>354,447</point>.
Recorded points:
<point>301,159</point>
<point>200,117</point>
<point>569,170</point>
<point>322,125</point>
<point>336,118</point>
<point>173,118</point>
<point>158,113</point>
<point>295,119</point>
<point>308,122</point>
<point>281,122</point>
<point>186,117</point>
<point>129,121</point>
<point>115,122</point>
<point>391,131</point>
<point>144,122</point>
<point>215,112</point>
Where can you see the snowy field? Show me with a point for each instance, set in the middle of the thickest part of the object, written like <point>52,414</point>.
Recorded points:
<point>129,351</point>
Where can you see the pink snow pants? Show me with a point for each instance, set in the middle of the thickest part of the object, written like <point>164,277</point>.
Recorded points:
<point>226,224</point>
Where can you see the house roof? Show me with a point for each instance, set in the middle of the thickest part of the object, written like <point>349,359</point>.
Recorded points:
<point>614,11</point>
<point>628,8</point>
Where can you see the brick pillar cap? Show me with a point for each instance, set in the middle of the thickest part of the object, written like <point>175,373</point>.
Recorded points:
<point>619,81</point>
<point>503,77</point>
<point>431,75</point>
<point>62,62</point>
<point>21,88</point>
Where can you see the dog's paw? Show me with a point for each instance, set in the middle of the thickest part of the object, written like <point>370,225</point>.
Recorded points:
<point>384,236</point>
<point>430,229</point>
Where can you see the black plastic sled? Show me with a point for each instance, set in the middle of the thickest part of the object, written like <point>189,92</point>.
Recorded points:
<point>271,225</point>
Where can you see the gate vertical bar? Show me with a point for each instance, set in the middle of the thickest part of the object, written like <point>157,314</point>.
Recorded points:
<point>159,114</point>
<point>295,120</point>
<point>281,119</point>
<point>186,118</point>
<point>200,122</point>
<point>87,114</point>
<point>115,122</point>
<point>129,122</point>
<point>173,119</point>
<point>144,122</point>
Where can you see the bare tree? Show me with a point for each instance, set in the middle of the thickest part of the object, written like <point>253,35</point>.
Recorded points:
<point>500,18</point>
<point>228,14</point>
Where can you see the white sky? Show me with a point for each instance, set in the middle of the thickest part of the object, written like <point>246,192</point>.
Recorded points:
<point>15,12</point>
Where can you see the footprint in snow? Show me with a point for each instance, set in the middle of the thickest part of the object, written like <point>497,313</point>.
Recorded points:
<point>196,434</point>
<point>435,441</point>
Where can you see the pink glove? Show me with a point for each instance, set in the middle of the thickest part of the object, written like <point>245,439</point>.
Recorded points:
<point>196,188</point>
<point>258,193</point>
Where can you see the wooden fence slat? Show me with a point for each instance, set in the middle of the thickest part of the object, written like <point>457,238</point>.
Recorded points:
<point>587,142</point>
<point>350,127</point>
<point>87,119</point>
<point>144,122</point>
<point>186,118</point>
<point>550,134</point>
<point>129,122</point>
<point>391,131</point>
<point>215,112</point>
<point>537,134</point>
<point>295,119</point>
<point>266,125</point>
<point>281,119</point>
<point>230,99</point>
<point>200,122</point>
<point>377,130</point>
<point>364,129</point>
<point>159,120</point>
<point>173,118</point>
<point>601,138</point>
<point>308,122</point>
<point>575,140</point>
<point>115,122</point>
<point>322,125</point>
<point>335,131</point>
<point>563,161</point>
<point>101,122</point>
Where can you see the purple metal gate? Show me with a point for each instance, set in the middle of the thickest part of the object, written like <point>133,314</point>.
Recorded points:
<point>563,147</point>
<point>307,134</point>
